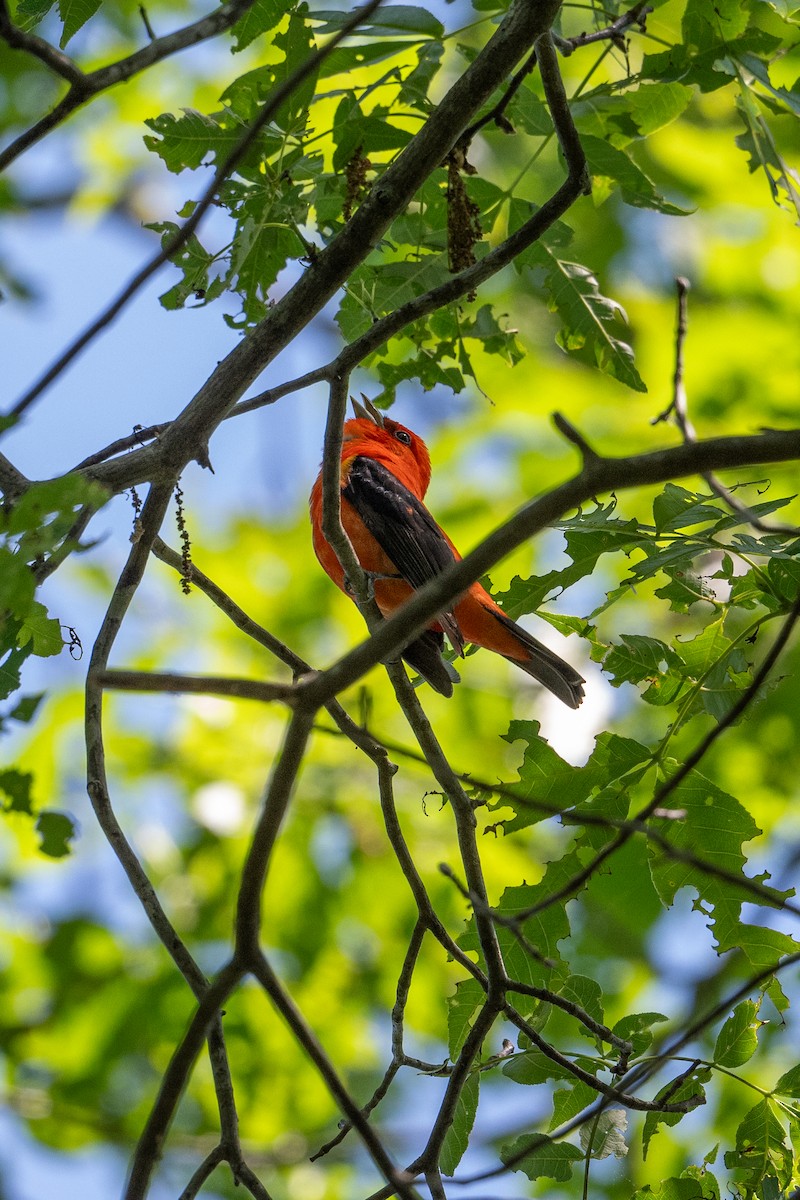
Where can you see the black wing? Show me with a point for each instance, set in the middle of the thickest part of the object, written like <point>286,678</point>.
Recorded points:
<point>403,528</point>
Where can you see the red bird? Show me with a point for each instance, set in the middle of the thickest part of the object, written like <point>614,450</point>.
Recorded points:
<point>385,473</point>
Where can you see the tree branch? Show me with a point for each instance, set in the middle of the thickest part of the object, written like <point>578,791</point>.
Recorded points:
<point>276,801</point>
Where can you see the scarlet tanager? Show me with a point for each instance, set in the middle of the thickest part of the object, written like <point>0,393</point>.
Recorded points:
<point>385,471</point>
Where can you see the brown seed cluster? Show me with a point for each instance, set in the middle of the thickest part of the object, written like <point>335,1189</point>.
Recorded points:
<point>186,545</point>
<point>463,217</point>
<point>356,178</point>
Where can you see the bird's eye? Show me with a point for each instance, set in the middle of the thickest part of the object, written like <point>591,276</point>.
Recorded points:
<point>403,437</point>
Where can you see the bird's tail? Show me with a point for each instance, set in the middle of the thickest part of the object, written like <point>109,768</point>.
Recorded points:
<point>544,665</point>
<point>425,656</point>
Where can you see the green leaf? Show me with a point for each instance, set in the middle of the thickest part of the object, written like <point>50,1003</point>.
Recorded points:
<point>790,100</point>
<point>530,113</point>
<point>45,512</point>
<point>761,1151</point>
<point>609,162</point>
<point>56,830</point>
<point>462,1008</point>
<point>547,784</point>
<point>374,290</point>
<point>260,251</point>
<point>30,13</point>
<point>588,317</point>
<point>655,105</point>
<point>684,1188</point>
<point>26,708</point>
<point>75,14</point>
<point>16,785</point>
<point>352,57</point>
<point>714,828</point>
<point>588,536</point>
<point>737,1040</point>
<point>539,1157</point>
<point>296,42</point>
<point>260,17</point>
<point>405,18</point>
<point>684,589</point>
<point>17,584</point>
<point>789,1083</point>
<point>43,633</point>
<point>195,262</point>
<point>763,154</point>
<point>636,1029</point>
<point>636,657</point>
<point>677,508</point>
<point>692,1086</point>
<point>569,1101</point>
<point>533,1067</point>
<point>10,670</point>
<point>709,1187</point>
<point>399,18</point>
<point>457,1137</point>
<point>587,994</point>
<point>186,142</point>
<point>370,134</point>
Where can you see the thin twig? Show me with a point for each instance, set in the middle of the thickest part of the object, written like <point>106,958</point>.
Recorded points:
<point>140,435</point>
<point>332,528</point>
<point>208,685</point>
<point>463,1067</point>
<point>613,32</point>
<point>463,816</point>
<point>616,1094</point>
<point>678,409</point>
<point>398,1054</point>
<point>574,436</point>
<point>203,1172</point>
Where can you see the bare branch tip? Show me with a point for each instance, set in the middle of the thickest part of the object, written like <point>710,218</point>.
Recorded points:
<point>568,430</point>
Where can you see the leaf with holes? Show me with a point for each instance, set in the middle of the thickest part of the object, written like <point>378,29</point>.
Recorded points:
<point>589,318</point>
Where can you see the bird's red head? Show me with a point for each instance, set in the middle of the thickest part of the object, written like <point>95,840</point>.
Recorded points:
<point>399,449</point>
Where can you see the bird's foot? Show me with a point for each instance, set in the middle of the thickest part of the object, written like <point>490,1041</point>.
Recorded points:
<point>371,577</point>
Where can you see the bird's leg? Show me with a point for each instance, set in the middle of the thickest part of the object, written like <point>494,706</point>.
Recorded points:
<point>371,577</point>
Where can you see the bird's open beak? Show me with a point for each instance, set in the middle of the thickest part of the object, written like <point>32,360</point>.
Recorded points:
<point>367,410</point>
